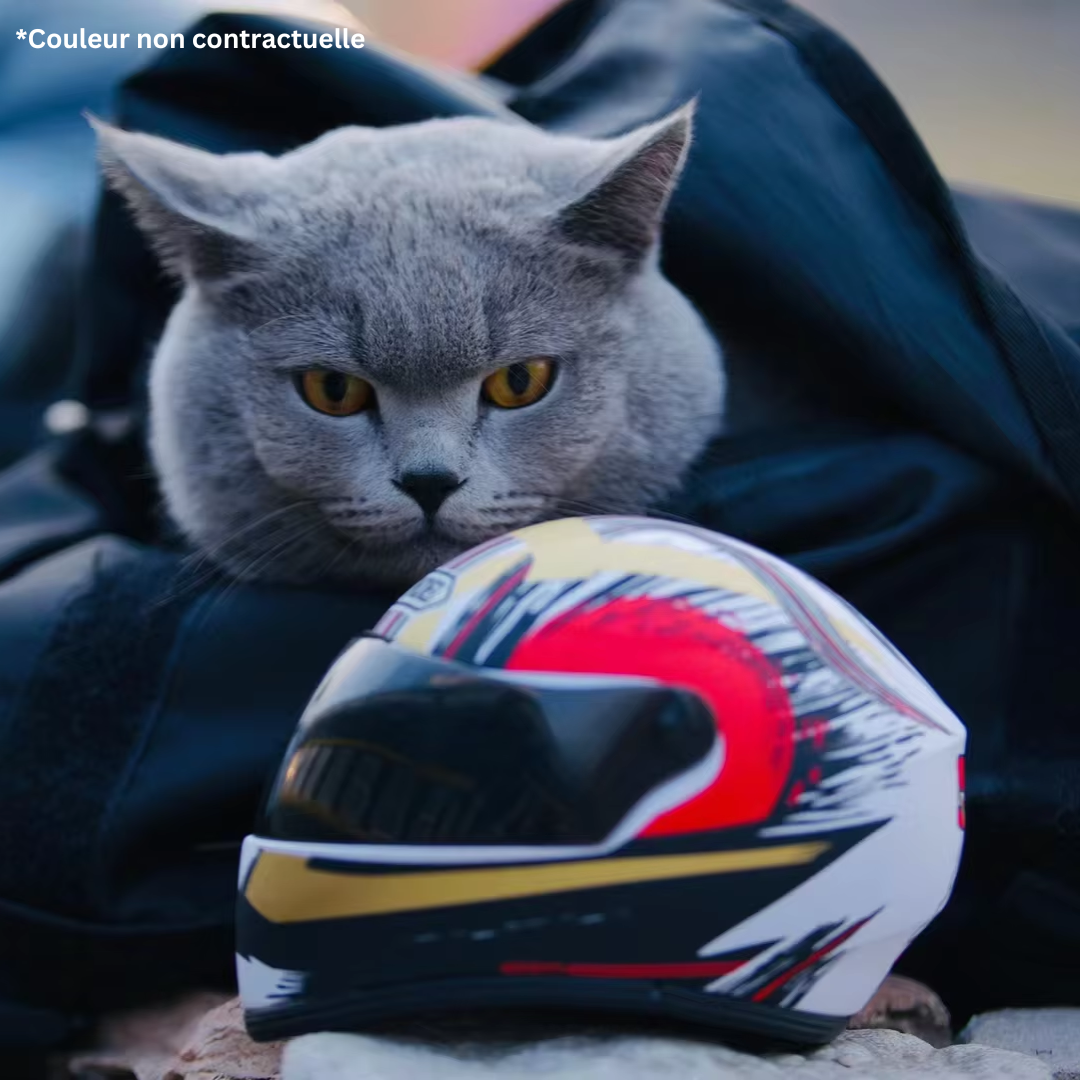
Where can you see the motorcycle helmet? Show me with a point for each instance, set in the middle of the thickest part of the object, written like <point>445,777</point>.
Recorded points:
<point>605,765</point>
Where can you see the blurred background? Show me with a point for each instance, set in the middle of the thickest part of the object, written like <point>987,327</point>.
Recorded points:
<point>993,87</point>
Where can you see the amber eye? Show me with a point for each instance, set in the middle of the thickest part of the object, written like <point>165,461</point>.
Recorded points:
<point>520,384</point>
<point>334,392</point>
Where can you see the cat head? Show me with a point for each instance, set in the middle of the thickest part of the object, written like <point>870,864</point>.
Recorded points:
<point>393,344</point>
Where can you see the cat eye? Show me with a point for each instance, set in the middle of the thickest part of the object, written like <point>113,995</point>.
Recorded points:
<point>520,384</point>
<point>335,393</point>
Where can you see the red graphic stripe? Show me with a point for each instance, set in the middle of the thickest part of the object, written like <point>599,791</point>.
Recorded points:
<point>961,776</point>
<point>677,644</point>
<point>489,605</point>
<point>389,623</point>
<point>813,958</point>
<point>702,969</point>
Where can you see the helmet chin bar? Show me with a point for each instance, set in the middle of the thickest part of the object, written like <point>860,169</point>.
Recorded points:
<point>405,748</point>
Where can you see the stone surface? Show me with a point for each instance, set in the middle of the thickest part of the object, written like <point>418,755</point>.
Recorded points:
<point>902,1004</point>
<point>219,1049</point>
<point>198,1038</point>
<point>855,1055</point>
<point>202,1038</point>
<point>1050,1035</point>
<point>146,1041</point>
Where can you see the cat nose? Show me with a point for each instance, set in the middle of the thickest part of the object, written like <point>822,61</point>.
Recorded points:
<point>429,489</point>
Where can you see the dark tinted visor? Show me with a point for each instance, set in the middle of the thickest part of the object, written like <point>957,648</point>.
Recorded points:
<point>397,747</point>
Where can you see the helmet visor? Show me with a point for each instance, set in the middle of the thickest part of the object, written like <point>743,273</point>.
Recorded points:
<point>397,747</point>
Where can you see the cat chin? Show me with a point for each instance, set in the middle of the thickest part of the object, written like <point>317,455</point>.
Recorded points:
<point>405,558</point>
<point>341,557</point>
<point>398,567</point>
<point>355,566</point>
<point>405,562</point>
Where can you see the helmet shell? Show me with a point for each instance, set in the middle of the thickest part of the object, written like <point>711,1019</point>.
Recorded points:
<point>836,796</point>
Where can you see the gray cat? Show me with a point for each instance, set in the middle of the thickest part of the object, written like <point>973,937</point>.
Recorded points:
<point>395,344</point>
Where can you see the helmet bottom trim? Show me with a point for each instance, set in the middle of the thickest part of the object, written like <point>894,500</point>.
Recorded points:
<point>744,1024</point>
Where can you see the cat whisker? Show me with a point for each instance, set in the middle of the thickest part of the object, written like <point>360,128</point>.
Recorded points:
<point>578,506</point>
<point>348,516</point>
<point>347,549</point>
<point>509,522</point>
<point>584,506</point>
<point>341,505</point>
<point>255,568</point>
<point>381,528</point>
<point>200,567</point>
<point>196,569</point>
<point>258,523</point>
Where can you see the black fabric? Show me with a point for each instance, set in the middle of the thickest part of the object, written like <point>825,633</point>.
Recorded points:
<point>1035,246</point>
<point>1048,387</point>
<point>926,470</point>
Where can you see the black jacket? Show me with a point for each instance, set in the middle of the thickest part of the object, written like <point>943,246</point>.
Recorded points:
<point>935,484</point>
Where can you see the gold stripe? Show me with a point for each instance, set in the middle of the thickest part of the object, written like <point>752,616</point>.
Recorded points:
<point>284,888</point>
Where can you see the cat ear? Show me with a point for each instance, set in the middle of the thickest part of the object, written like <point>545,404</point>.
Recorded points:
<point>188,203</point>
<point>623,212</point>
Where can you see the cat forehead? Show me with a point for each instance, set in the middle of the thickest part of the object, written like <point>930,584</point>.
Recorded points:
<point>437,213</point>
<point>423,331</point>
<point>446,159</point>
